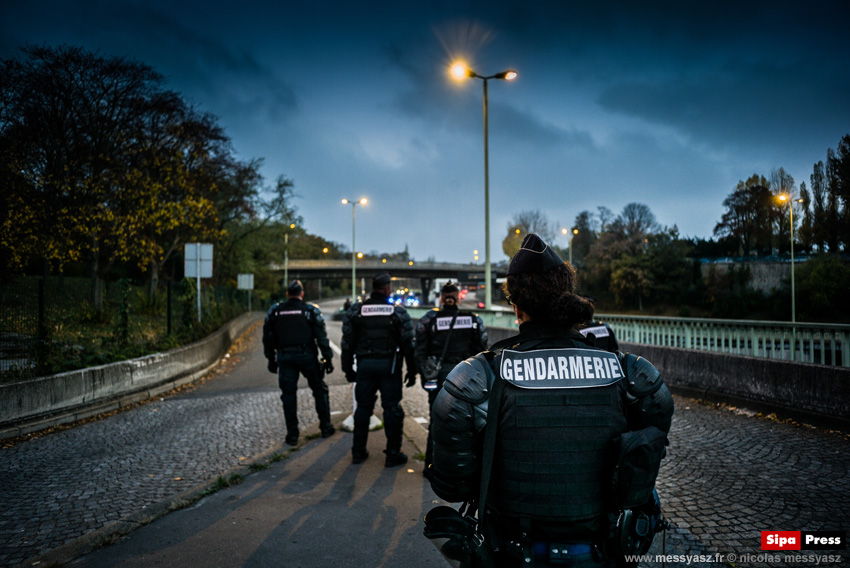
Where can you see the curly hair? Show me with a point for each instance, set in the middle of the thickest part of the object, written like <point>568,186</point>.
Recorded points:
<point>549,297</point>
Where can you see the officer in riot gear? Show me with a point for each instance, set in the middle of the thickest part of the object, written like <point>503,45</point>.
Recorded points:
<point>602,333</point>
<point>444,338</point>
<point>293,334</point>
<point>558,408</point>
<point>376,337</point>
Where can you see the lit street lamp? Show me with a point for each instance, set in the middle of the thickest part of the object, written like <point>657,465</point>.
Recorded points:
<point>362,201</point>
<point>459,71</point>
<point>783,198</point>
<point>575,232</point>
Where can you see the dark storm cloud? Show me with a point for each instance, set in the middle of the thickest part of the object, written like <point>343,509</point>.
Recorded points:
<point>667,103</point>
<point>202,63</point>
<point>739,105</point>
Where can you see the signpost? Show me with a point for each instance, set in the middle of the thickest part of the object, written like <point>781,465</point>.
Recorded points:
<point>198,263</point>
<point>245,282</point>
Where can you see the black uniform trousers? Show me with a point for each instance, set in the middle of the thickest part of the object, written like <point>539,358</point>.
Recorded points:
<point>373,376</point>
<point>289,365</point>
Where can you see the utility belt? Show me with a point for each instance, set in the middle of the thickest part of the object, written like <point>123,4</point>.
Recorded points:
<point>379,356</point>
<point>553,553</point>
<point>519,543</point>
<point>294,349</point>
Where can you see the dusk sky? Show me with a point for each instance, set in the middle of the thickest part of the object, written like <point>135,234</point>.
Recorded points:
<point>668,104</point>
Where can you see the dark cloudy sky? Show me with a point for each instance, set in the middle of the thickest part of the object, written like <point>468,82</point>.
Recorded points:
<point>669,103</point>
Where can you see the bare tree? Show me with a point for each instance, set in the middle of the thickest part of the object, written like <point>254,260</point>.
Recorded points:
<point>525,222</point>
<point>782,183</point>
<point>638,221</point>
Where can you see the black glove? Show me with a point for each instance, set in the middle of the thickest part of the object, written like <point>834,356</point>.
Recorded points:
<point>272,366</point>
<point>410,379</point>
<point>351,376</point>
<point>327,366</point>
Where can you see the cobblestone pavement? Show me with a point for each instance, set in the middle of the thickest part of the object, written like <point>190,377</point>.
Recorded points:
<point>728,474</point>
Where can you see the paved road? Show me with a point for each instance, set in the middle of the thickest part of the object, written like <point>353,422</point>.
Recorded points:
<point>728,476</point>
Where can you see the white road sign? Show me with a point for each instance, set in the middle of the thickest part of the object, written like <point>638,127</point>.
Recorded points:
<point>198,260</point>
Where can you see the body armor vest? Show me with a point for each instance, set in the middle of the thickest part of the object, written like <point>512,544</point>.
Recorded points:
<point>462,336</point>
<point>292,324</point>
<point>376,337</point>
<point>560,411</point>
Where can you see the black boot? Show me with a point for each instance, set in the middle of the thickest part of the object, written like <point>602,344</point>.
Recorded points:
<point>394,458</point>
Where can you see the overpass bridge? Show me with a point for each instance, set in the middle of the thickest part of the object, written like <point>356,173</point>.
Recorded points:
<point>424,272</point>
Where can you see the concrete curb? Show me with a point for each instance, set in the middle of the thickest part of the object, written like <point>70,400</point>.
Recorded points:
<point>62,555</point>
<point>77,412</point>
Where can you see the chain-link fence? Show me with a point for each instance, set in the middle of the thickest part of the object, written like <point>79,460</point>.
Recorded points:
<point>50,325</point>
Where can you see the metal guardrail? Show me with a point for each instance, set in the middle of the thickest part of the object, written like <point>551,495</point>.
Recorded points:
<point>817,343</point>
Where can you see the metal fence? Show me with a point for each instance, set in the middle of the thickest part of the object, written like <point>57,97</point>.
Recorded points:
<point>817,343</point>
<point>820,343</point>
<point>49,325</point>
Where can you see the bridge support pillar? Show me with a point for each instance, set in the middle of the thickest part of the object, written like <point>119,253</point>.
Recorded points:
<point>425,284</point>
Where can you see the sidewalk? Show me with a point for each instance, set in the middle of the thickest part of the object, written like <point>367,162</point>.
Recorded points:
<point>312,509</point>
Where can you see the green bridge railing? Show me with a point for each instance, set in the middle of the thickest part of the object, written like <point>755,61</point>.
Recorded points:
<point>817,343</point>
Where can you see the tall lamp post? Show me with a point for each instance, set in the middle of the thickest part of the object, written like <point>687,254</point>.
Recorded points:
<point>286,257</point>
<point>361,201</point>
<point>783,198</point>
<point>459,71</point>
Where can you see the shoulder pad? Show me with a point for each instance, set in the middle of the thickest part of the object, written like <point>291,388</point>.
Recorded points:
<point>471,379</point>
<point>642,377</point>
<point>429,315</point>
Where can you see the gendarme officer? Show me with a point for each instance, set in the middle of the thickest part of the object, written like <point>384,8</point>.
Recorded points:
<point>555,407</point>
<point>378,335</point>
<point>444,338</point>
<point>291,333</point>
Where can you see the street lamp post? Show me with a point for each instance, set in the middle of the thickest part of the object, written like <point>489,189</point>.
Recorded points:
<point>286,257</point>
<point>570,244</point>
<point>460,71</point>
<point>790,201</point>
<point>361,201</point>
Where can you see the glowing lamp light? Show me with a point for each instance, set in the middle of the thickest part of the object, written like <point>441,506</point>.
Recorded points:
<point>459,70</point>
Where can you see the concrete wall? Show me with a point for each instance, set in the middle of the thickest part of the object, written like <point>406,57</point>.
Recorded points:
<point>817,394</point>
<point>67,397</point>
<point>764,276</point>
